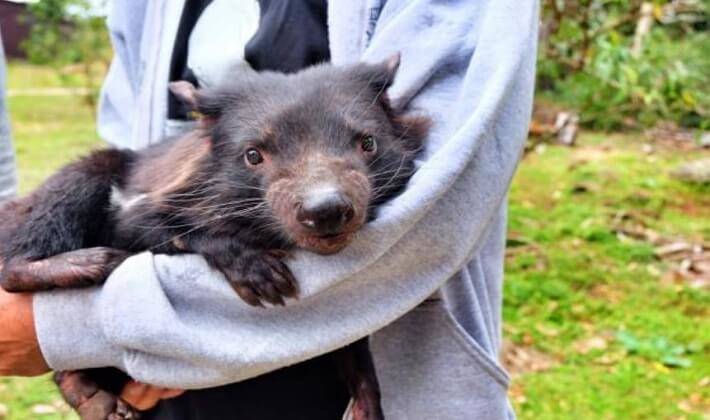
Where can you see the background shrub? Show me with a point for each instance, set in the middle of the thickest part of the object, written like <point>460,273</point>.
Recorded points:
<point>592,60</point>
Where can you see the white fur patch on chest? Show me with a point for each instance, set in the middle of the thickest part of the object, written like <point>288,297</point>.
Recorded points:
<point>124,202</point>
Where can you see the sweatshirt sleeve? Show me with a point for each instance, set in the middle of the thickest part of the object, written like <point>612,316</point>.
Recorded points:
<point>117,100</point>
<point>8,178</point>
<point>172,321</point>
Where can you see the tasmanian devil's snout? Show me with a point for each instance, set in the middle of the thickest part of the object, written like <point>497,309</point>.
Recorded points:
<point>324,195</point>
<point>325,210</point>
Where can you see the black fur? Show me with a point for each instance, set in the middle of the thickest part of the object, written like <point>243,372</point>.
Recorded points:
<point>69,233</point>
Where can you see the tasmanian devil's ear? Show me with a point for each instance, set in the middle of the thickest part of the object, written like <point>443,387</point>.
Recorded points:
<point>386,71</point>
<point>206,103</point>
<point>410,130</point>
<point>380,76</point>
<point>186,92</point>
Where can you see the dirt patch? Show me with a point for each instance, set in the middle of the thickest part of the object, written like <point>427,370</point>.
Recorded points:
<point>671,137</point>
<point>693,209</point>
<point>607,293</point>
<point>593,343</point>
<point>689,263</point>
<point>587,154</point>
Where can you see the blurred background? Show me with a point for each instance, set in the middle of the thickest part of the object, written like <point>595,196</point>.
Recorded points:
<point>607,292</point>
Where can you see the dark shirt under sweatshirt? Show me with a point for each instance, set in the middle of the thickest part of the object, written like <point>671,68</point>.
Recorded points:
<point>292,34</point>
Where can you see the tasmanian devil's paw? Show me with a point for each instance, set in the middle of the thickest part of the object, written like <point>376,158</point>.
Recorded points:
<point>123,411</point>
<point>90,401</point>
<point>95,264</point>
<point>105,406</point>
<point>262,277</point>
<point>80,268</point>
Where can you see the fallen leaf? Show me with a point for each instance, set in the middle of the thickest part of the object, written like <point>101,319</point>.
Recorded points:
<point>687,276</point>
<point>43,409</point>
<point>670,136</point>
<point>664,251</point>
<point>610,358</point>
<point>695,403</point>
<point>592,343</point>
<point>705,139</point>
<point>697,171</point>
<point>547,331</point>
<point>519,359</point>
<point>653,270</point>
<point>702,266</point>
<point>61,406</point>
<point>517,393</point>
<point>583,155</point>
<point>685,406</point>
<point>606,292</point>
<point>695,398</point>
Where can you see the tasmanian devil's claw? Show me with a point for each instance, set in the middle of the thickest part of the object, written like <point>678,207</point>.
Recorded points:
<point>262,278</point>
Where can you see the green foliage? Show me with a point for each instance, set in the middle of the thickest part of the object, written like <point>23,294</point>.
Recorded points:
<point>64,34</point>
<point>587,60</point>
<point>25,399</point>
<point>658,348</point>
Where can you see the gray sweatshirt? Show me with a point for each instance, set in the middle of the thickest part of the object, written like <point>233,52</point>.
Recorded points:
<point>8,181</point>
<point>424,279</point>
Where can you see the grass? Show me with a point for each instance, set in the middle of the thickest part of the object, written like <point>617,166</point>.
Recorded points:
<point>570,279</point>
<point>23,75</point>
<point>574,280</point>
<point>48,132</point>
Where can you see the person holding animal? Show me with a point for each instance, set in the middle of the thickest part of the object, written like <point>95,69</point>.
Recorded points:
<point>422,279</point>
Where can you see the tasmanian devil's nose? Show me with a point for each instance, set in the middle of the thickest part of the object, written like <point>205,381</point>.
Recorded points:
<point>326,213</point>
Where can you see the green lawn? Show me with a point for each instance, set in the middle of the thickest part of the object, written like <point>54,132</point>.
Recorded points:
<point>48,132</point>
<point>602,333</point>
<point>620,341</point>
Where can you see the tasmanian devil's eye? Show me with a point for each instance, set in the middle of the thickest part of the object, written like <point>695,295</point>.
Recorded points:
<point>368,144</point>
<point>253,156</point>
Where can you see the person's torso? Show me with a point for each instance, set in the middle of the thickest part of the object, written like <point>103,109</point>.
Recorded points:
<point>438,360</point>
<point>215,38</point>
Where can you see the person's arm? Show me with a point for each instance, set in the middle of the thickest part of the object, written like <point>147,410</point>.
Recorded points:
<point>19,350</point>
<point>172,321</point>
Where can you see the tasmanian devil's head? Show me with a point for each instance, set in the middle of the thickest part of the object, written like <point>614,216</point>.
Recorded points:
<point>320,148</point>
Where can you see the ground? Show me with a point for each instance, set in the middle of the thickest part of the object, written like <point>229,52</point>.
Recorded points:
<point>597,325</point>
<point>616,333</point>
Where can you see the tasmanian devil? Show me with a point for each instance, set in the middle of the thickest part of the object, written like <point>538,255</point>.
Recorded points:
<point>276,162</point>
